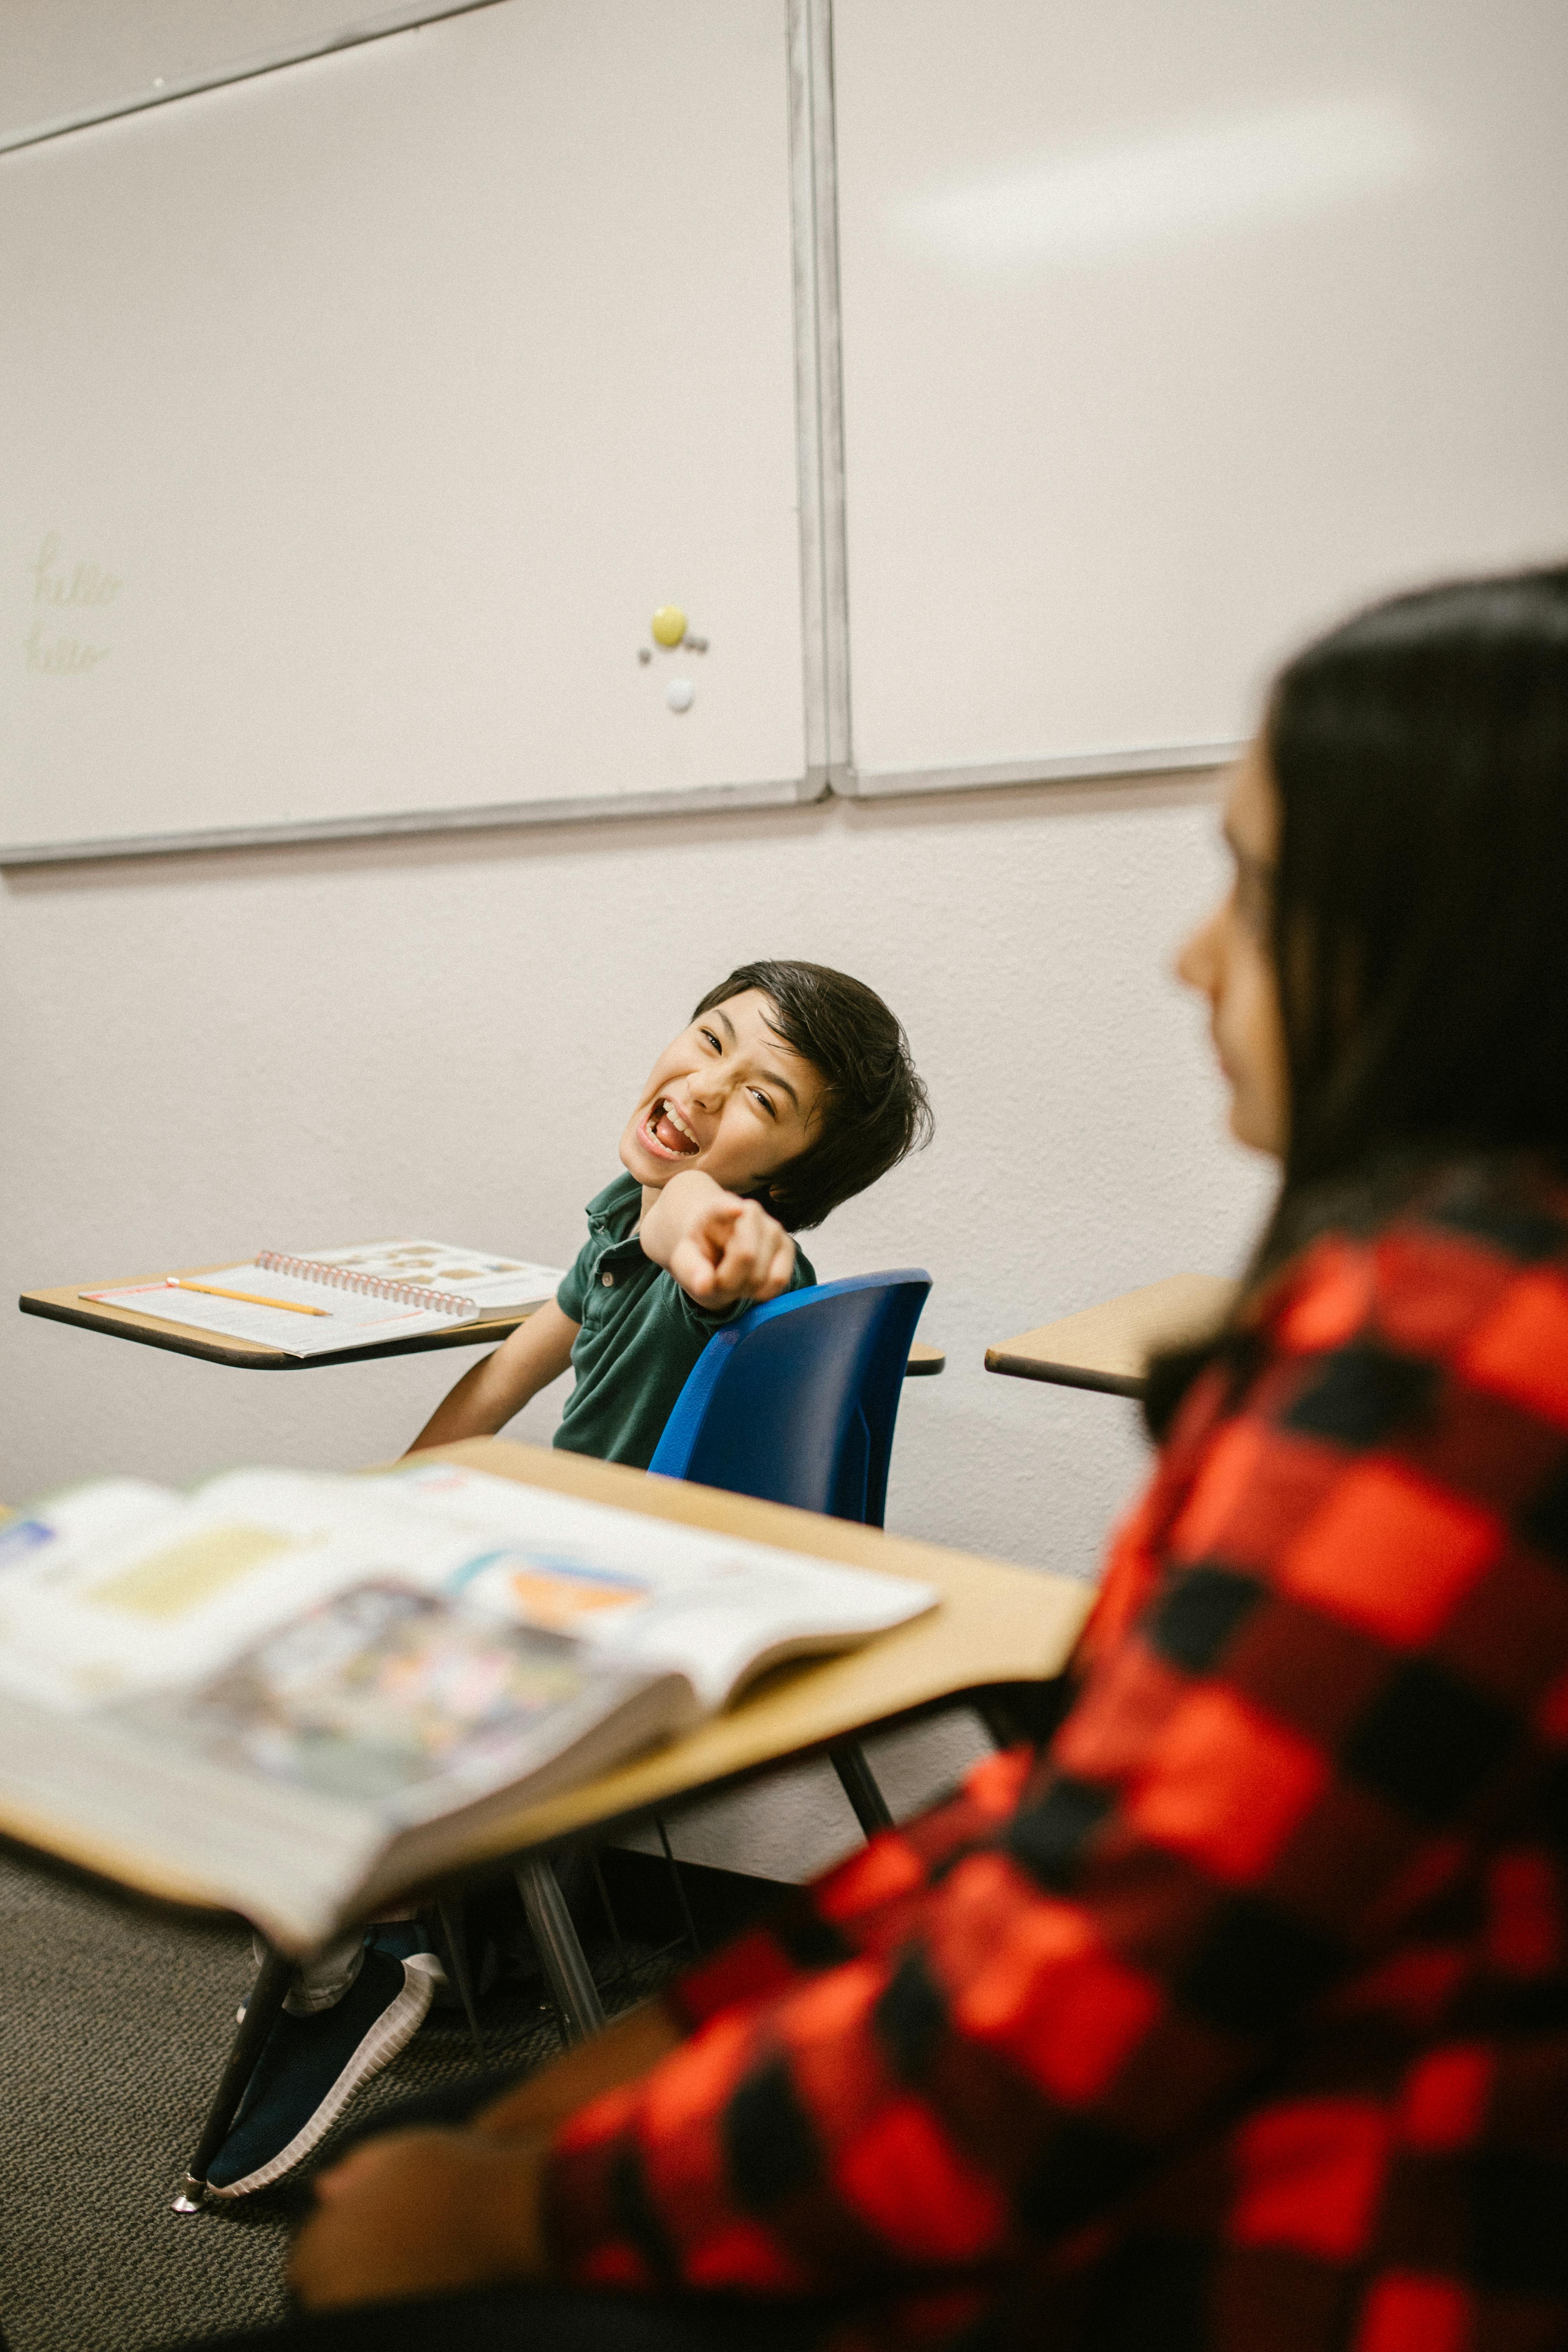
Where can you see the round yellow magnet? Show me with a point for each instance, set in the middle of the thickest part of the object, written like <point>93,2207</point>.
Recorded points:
<point>668,625</point>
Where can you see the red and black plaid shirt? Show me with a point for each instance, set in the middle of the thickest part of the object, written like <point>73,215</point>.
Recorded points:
<point>1239,2020</point>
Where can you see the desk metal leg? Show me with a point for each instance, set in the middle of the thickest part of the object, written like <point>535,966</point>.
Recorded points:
<point>454,1936</point>
<point>262,2008</point>
<point>678,1884</point>
<point>550,1924</point>
<point>859,1785</point>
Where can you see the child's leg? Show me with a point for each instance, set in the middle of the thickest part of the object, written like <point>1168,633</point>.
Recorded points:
<point>351,2009</point>
<point>321,1982</point>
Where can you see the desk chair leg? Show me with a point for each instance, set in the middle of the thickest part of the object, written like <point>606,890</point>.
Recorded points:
<point>555,1939</point>
<point>454,1936</point>
<point>263,2006</point>
<point>608,1907</point>
<point>679,1885</point>
<point>856,1778</point>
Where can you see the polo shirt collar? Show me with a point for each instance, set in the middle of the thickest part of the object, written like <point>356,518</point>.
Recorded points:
<point>613,1214</point>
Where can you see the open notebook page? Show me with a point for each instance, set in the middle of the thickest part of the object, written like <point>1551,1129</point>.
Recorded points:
<point>316,1317</point>
<point>340,1318</point>
<point>483,1276</point>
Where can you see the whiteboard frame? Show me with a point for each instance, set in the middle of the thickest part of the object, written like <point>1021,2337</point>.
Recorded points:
<point>1061,768</point>
<point>320,44</point>
<point>819,398</point>
<point>484,816</point>
<point>824,496</point>
<point>819,470</point>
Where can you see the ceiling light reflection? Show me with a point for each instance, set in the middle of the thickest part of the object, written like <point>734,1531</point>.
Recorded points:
<point>1078,211</point>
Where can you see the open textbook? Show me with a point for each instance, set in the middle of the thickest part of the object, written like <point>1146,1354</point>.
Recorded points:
<point>303,1690</point>
<point>319,1304</point>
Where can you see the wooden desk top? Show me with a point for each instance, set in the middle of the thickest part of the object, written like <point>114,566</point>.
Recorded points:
<point>1109,1346</point>
<point>993,1624</point>
<point>68,1303</point>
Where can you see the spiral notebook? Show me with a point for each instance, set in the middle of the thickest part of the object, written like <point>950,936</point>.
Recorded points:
<point>320,1303</point>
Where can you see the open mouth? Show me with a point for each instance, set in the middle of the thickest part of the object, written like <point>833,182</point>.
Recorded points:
<point>667,1132</point>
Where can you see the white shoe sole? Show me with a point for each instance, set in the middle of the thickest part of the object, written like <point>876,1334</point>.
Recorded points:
<point>394,2029</point>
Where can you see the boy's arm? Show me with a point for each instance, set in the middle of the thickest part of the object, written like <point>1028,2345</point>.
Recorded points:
<point>719,1246</point>
<point>488,1395</point>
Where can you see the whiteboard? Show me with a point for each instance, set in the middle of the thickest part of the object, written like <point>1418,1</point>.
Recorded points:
<point>67,62</point>
<point>358,416</point>
<point>1169,333</point>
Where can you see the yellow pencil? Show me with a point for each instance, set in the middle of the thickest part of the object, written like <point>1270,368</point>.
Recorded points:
<point>213,1290</point>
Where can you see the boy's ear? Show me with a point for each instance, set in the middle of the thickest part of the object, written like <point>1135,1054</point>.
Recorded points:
<point>774,1201</point>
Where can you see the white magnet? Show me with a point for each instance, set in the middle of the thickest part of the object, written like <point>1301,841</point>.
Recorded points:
<point>680,694</point>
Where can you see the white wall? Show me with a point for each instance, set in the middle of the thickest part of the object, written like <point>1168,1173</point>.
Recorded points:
<point>293,1047</point>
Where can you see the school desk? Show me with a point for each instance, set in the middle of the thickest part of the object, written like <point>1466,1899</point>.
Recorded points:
<point>70,1303</point>
<point>1109,1346</point>
<point>993,1627</point>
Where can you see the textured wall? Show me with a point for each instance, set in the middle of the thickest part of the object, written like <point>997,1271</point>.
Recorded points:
<point>203,1056</point>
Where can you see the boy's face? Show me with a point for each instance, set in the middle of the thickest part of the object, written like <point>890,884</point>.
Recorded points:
<point>728,1097</point>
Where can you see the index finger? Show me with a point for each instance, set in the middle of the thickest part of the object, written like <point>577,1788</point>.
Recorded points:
<point>752,1251</point>
<point>778,1266</point>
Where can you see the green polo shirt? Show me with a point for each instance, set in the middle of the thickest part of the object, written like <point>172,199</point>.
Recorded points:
<point>640,1337</point>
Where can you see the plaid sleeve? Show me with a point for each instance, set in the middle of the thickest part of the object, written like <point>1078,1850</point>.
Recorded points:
<point>986,2028</point>
<point>822,1925</point>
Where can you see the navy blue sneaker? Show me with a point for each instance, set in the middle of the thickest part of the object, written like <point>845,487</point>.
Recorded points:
<point>310,2067</point>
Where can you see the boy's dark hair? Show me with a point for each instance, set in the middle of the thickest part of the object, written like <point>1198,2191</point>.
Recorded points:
<point>874,1107</point>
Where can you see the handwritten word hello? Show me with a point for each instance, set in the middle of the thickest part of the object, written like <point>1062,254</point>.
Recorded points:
<point>86,585</point>
<point>66,657</point>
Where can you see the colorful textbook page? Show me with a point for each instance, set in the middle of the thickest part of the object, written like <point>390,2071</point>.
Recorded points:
<point>284,1682</point>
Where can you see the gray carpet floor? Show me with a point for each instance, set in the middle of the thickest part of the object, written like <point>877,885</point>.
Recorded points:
<point>114,2019</point>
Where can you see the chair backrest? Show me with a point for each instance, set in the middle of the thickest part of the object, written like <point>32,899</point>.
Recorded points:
<point>795,1401</point>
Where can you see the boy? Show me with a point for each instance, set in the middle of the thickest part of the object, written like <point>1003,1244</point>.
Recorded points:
<point>791,1089</point>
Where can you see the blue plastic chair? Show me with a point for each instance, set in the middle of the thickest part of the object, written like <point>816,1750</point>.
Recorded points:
<point>796,1403</point>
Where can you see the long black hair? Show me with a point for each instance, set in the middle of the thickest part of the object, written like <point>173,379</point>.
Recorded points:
<point>1420,904</point>
<point>874,1109</point>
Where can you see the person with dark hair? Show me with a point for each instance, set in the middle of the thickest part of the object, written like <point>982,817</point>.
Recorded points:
<point>1400,833</point>
<point>791,1089</point>
<point>1235,2017</point>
